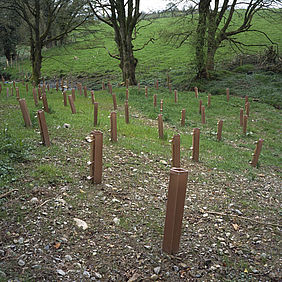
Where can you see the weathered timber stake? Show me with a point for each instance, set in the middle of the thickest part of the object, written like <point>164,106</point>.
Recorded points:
<point>57,85</point>
<point>157,85</point>
<point>39,92</point>
<point>126,94</point>
<point>43,128</point>
<point>146,91</point>
<point>73,94</point>
<point>203,115</point>
<point>183,113</point>
<point>48,87</point>
<point>176,150</point>
<point>17,93</point>
<point>25,112</point>
<point>162,105</point>
<point>65,98</point>
<point>155,100</point>
<point>103,85</point>
<point>110,88</point>
<point>45,103</point>
<point>246,99</point>
<point>73,110</point>
<point>200,106</point>
<point>245,121</point>
<point>209,100</point>
<point>174,210</point>
<point>126,84</point>
<point>196,92</point>
<point>62,85</point>
<point>85,91</point>
<point>256,154</point>
<point>196,144</point>
<point>175,96</point>
<point>34,96</point>
<point>113,127</point>
<point>241,117</point>
<point>219,129</point>
<point>247,108</point>
<point>114,101</point>
<point>227,94</point>
<point>92,97</point>
<point>96,157</point>
<point>170,87</point>
<point>95,113</point>
<point>161,126</point>
<point>126,112</point>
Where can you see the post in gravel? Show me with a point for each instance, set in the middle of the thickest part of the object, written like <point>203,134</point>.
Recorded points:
<point>34,96</point>
<point>126,112</point>
<point>241,117</point>
<point>113,126</point>
<point>95,113</point>
<point>176,150</point>
<point>174,209</point>
<point>96,157</point>
<point>65,98</point>
<point>73,94</point>
<point>219,129</point>
<point>73,110</point>
<point>183,113</point>
<point>160,126</point>
<point>203,115</point>
<point>25,112</point>
<point>43,128</point>
<point>256,154</point>
<point>209,100</point>
<point>114,101</point>
<point>247,108</point>
<point>45,103</point>
<point>196,144</point>
<point>245,120</point>
<point>92,97</point>
<point>175,96</point>
<point>196,92</point>
<point>227,94</point>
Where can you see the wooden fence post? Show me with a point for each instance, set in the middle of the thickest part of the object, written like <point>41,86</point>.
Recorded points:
<point>256,154</point>
<point>34,96</point>
<point>73,94</point>
<point>126,112</point>
<point>196,144</point>
<point>160,126</point>
<point>73,110</point>
<point>200,106</point>
<point>203,115</point>
<point>92,97</point>
<point>146,91</point>
<point>95,113</point>
<point>113,127</point>
<point>155,100</point>
<point>176,150</point>
<point>43,128</point>
<point>247,109</point>
<point>45,103</point>
<point>196,92</point>
<point>126,94</point>
<point>245,120</point>
<point>17,93</point>
<point>219,129</point>
<point>65,98</point>
<point>174,210</point>
<point>85,91</point>
<point>25,112</point>
<point>175,96</point>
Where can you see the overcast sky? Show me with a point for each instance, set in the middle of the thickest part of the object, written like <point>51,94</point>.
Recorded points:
<point>147,5</point>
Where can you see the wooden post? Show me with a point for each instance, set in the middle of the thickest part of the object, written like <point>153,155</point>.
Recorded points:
<point>25,112</point>
<point>62,85</point>
<point>34,96</point>
<point>196,144</point>
<point>114,101</point>
<point>103,85</point>
<point>85,91</point>
<point>183,113</point>
<point>196,92</point>
<point>203,115</point>
<point>175,96</point>
<point>246,99</point>
<point>65,98</point>
<point>209,100</point>
<point>126,94</point>
<point>174,210</point>
<point>170,87</point>
<point>162,105</point>
<point>7,92</point>
<point>155,100</point>
<point>57,85</point>
<point>146,91</point>
<point>127,83</point>
<point>45,103</point>
<point>43,128</point>
<point>219,129</point>
<point>96,157</point>
<point>73,94</point>
<point>245,120</point>
<point>95,113</point>
<point>126,112</point>
<point>200,106</point>
<point>73,110</point>
<point>110,88</point>
<point>80,88</point>
<point>17,93</point>
<point>227,94</point>
<point>256,154</point>
<point>247,108</point>
<point>160,126</point>
<point>113,127</point>
<point>176,150</point>
<point>92,97</point>
<point>14,84</point>
<point>241,117</point>
<point>39,92</point>
<point>157,85</point>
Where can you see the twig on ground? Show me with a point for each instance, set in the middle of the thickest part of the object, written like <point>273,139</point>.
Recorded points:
<point>7,193</point>
<point>43,203</point>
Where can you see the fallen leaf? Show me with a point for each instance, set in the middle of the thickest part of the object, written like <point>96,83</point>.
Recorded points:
<point>57,245</point>
<point>235,226</point>
<point>246,270</point>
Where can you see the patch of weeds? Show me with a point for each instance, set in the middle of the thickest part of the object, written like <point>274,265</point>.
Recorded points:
<point>245,68</point>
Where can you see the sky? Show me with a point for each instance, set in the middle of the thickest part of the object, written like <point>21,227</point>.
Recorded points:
<point>148,5</point>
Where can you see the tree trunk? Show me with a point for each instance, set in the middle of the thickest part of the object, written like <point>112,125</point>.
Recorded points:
<point>36,61</point>
<point>128,65</point>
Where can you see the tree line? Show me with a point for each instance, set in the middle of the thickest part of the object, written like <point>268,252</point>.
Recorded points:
<point>44,23</point>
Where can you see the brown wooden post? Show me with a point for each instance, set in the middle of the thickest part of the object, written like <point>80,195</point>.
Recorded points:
<point>256,154</point>
<point>157,85</point>
<point>39,92</point>
<point>247,108</point>
<point>92,97</point>
<point>126,84</point>
<point>25,112</point>
<point>110,88</point>
<point>14,84</point>
<point>219,129</point>
<point>103,85</point>
<point>73,110</point>
<point>7,92</point>
<point>95,113</point>
<point>126,94</point>
<point>170,87</point>
<point>146,91</point>
<point>245,121</point>
<point>67,84</point>
<point>246,99</point>
<point>26,88</point>
<point>203,115</point>
<point>17,93</point>
<point>62,85</point>
<point>126,112</point>
<point>48,87</point>
<point>45,103</point>
<point>96,157</point>
<point>209,100</point>
<point>65,98</point>
<point>73,94</point>
<point>34,96</point>
<point>113,127</point>
<point>241,117</point>
<point>57,85</point>
<point>85,91</point>
<point>196,144</point>
<point>114,101</point>
<point>43,87</point>
<point>174,210</point>
<point>155,100</point>
<point>183,113</point>
<point>227,94</point>
<point>200,106</point>
<point>196,92</point>
<point>175,96</point>
<point>176,150</point>
<point>43,128</point>
<point>161,126</point>
<point>162,105</point>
